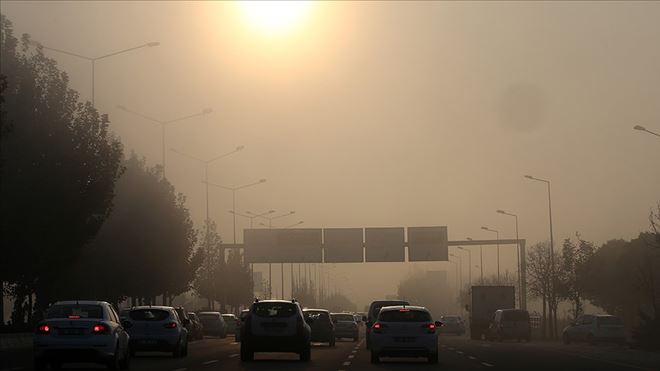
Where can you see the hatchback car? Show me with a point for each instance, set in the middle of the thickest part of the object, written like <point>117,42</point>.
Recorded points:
<point>240,323</point>
<point>595,328</point>
<point>230,322</point>
<point>157,329</point>
<point>214,324</point>
<point>372,314</point>
<point>404,331</point>
<point>345,326</point>
<point>323,329</point>
<point>510,324</point>
<point>452,325</point>
<point>275,326</point>
<point>81,331</point>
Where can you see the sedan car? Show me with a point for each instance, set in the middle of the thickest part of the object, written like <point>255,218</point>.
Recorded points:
<point>323,330</point>
<point>157,329</point>
<point>404,331</point>
<point>214,324</point>
<point>81,331</point>
<point>596,328</point>
<point>345,326</point>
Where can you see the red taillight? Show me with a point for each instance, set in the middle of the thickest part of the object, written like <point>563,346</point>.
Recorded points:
<point>99,329</point>
<point>43,329</point>
<point>170,325</point>
<point>377,327</point>
<point>404,310</point>
<point>431,327</point>
<point>74,317</point>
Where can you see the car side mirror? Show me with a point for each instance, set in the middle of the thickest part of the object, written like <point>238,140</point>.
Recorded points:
<point>438,323</point>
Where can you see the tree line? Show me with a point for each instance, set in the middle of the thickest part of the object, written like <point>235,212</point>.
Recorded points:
<point>81,219</point>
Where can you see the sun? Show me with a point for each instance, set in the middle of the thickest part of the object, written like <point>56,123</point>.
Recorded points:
<point>274,18</point>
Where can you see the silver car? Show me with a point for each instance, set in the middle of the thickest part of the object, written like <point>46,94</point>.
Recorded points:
<point>81,331</point>
<point>345,326</point>
<point>157,328</point>
<point>214,324</point>
<point>594,328</point>
<point>404,331</point>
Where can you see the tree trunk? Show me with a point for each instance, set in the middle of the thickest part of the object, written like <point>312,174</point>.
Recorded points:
<point>544,326</point>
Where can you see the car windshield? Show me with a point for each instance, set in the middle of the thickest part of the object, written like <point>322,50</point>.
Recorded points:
<point>515,315</point>
<point>404,315</point>
<point>275,310</point>
<point>342,318</point>
<point>75,311</point>
<point>148,314</point>
<point>608,321</point>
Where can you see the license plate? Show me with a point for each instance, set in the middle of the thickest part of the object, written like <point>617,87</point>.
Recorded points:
<point>404,339</point>
<point>71,331</point>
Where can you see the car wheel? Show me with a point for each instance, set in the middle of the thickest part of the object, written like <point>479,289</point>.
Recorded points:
<point>247,355</point>
<point>39,364</point>
<point>375,357</point>
<point>184,353</point>
<point>125,363</point>
<point>176,353</point>
<point>306,354</point>
<point>433,358</point>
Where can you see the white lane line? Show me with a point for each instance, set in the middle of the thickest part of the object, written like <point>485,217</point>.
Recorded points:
<point>351,356</point>
<point>180,369</point>
<point>450,348</point>
<point>235,343</point>
<point>472,357</point>
<point>210,362</point>
<point>353,351</point>
<point>346,363</point>
<point>487,364</point>
<point>233,355</point>
<point>459,352</point>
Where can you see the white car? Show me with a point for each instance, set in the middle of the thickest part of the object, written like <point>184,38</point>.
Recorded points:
<point>81,331</point>
<point>157,329</point>
<point>594,328</point>
<point>404,331</point>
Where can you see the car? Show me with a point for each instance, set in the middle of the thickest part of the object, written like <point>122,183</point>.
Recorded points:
<point>275,326</point>
<point>372,314</point>
<point>323,329</point>
<point>197,327</point>
<point>214,324</point>
<point>240,323</point>
<point>404,331</point>
<point>230,322</point>
<point>510,324</point>
<point>345,326</point>
<point>452,325</point>
<point>595,328</point>
<point>188,324</point>
<point>81,331</point>
<point>157,329</point>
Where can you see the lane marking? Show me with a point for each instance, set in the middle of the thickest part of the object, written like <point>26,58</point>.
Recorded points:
<point>353,351</point>
<point>346,363</point>
<point>450,348</point>
<point>487,364</point>
<point>351,356</point>
<point>233,355</point>
<point>472,357</point>
<point>210,362</point>
<point>180,369</point>
<point>235,343</point>
<point>459,352</point>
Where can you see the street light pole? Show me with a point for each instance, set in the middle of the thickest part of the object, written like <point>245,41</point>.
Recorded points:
<point>498,250</point>
<point>641,128</point>
<point>469,263</point>
<point>163,124</point>
<point>520,295</point>
<point>458,304</point>
<point>481,258</point>
<point>93,60</point>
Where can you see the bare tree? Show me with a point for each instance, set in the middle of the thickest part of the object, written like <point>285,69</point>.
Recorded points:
<point>540,284</point>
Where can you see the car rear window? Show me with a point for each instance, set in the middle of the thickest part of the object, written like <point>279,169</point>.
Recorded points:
<point>515,315</point>
<point>274,310</point>
<point>404,315</point>
<point>317,315</point>
<point>342,317</point>
<point>75,311</point>
<point>149,314</point>
<point>608,320</point>
<point>379,305</point>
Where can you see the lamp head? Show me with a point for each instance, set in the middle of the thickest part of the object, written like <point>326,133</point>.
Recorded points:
<point>206,111</point>
<point>500,212</point>
<point>240,148</point>
<point>529,177</point>
<point>639,127</point>
<point>153,43</point>
<point>262,180</point>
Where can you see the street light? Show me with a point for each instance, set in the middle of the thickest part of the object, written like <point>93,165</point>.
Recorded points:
<point>498,250</point>
<point>469,263</point>
<point>163,124</point>
<point>518,253</point>
<point>460,269</point>
<point>481,257</point>
<point>94,59</point>
<point>293,225</point>
<point>206,164</point>
<point>641,128</point>
<point>233,195</point>
<point>458,294</point>
<point>250,215</point>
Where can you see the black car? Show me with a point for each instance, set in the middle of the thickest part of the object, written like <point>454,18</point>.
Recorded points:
<point>197,327</point>
<point>323,329</point>
<point>275,326</point>
<point>240,323</point>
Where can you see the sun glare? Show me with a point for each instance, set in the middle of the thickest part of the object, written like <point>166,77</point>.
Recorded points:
<point>275,17</point>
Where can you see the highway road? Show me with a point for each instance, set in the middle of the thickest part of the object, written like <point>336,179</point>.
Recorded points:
<point>456,353</point>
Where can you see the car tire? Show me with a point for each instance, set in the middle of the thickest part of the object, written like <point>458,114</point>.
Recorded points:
<point>39,364</point>
<point>178,350</point>
<point>306,354</point>
<point>184,352</point>
<point>375,357</point>
<point>247,354</point>
<point>125,363</point>
<point>433,358</point>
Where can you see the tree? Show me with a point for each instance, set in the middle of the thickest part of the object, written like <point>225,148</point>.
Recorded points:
<point>208,279</point>
<point>542,281</point>
<point>574,270</point>
<point>237,281</point>
<point>654,220</point>
<point>60,164</point>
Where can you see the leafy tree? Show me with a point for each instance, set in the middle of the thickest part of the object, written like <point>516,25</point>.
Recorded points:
<point>542,283</point>
<point>574,270</point>
<point>209,276</point>
<point>237,281</point>
<point>60,164</point>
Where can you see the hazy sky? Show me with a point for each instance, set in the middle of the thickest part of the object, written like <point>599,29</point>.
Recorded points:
<point>387,114</point>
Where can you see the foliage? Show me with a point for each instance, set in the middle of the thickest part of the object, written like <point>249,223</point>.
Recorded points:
<point>207,284</point>
<point>237,281</point>
<point>543,282</point>
<point>573,271</point>
<point>59,153</point>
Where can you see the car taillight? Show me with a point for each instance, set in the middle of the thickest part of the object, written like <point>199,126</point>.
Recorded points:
<point>74,317</point>
<point>100,329</point>
<point>431,327</point>
<point>43,329</point>
<point>170,325</point>
<point>377,327</point>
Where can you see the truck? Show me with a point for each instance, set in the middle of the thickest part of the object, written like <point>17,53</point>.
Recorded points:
<point>485,301</point>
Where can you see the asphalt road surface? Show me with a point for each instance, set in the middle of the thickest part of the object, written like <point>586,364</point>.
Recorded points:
<point>456,353</point>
